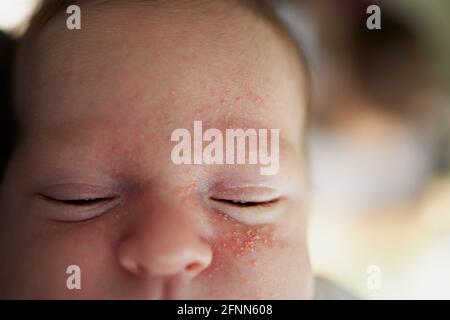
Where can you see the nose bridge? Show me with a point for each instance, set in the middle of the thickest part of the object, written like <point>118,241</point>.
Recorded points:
<point>170,227</point>
<point>164,239</point>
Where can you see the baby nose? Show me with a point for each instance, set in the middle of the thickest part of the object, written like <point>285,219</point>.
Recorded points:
<point>164,243</point>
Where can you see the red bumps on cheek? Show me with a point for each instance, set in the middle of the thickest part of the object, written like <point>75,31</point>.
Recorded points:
<point>246,241</point>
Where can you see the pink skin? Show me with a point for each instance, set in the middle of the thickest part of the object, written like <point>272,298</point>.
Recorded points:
<point>97,123</point>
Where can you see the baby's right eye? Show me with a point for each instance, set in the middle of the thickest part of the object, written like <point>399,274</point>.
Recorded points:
<point>78,209</point>
<point>77,202</point>
<point>80,202</point>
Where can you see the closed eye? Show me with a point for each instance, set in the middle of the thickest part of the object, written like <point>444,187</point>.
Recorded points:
<point>246,204</point>
<point>79,202</point>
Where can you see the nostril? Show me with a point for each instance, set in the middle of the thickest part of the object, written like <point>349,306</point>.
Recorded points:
<point>193,266</point>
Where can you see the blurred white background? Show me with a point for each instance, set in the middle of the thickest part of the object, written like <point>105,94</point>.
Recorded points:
<point>13,13</point>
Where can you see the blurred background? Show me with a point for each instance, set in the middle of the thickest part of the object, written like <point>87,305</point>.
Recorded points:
<point>379,144</point>
<point>14,14</point>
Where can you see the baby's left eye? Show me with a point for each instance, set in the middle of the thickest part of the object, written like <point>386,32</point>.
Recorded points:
<point>244,203</point>
<point>248,210</point>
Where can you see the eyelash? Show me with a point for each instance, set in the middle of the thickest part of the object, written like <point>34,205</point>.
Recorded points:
<point>79,202</point>
<point>91,201</point>
<point>246,204</point>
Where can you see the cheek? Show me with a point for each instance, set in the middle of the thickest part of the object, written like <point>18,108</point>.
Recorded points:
<point>252,262</point>
<point>245,241</point>
<point>240,242</point>
<point>45,253</point>
<point>92,248</point>
<point>237,248</point>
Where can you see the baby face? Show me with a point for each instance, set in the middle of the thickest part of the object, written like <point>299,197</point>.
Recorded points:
<point>91,182</point>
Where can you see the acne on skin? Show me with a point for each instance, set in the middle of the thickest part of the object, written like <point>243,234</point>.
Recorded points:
<point>234,239</point>
<point>241,239</point>
<point>241,243</point>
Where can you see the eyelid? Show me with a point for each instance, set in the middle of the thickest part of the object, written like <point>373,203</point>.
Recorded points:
<point>63,199</point>
<point>246,193</point>
<point>61,211</point>
<point>68,192</point>
<point>79,201</point>
<point>252,215</point>
<point>243,203</point>
<point>267,204</point>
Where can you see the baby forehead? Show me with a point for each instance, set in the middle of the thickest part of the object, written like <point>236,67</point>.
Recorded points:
<point>157,111</point>
<point>122,82</point>
<point>139,40</point>
<point>122,72</point>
